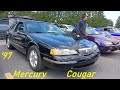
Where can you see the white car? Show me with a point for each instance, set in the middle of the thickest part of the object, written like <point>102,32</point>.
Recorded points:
<point>66,27</point>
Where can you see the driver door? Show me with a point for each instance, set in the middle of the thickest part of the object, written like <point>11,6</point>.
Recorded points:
<point>20,37</point>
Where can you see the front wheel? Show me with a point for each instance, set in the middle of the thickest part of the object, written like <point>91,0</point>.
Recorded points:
<point>34,58</point>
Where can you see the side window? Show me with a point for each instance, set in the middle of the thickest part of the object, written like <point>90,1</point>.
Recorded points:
<point>19,27</point>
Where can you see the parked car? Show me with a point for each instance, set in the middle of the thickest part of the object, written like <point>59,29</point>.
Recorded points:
<point>45,45</point>
<point>66,28</point>
<point>107,34</point>
<point>4,26</point>
<point>113,31</point>
<point>105,44</point>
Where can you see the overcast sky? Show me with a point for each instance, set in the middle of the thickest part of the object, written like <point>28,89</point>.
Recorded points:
<point>113,15</point>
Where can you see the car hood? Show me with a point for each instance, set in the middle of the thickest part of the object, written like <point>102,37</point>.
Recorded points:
<point>63,40</point>
<point>103,38</point>
<point>116,37</point>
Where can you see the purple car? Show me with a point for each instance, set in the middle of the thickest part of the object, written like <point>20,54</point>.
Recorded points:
<point>113,31</point>
<point>105,44</point>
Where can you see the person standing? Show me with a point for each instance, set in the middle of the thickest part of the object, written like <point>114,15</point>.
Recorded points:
<point>56,23</point>
<point>80,27</point>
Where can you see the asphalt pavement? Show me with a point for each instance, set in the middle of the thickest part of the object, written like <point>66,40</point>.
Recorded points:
<point>107,67</point>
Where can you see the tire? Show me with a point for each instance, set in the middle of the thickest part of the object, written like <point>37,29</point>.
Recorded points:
<point>38,66</point>
<point>9,46</point>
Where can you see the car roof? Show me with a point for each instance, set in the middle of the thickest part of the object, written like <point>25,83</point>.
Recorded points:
<point>22,17</point>
<point>25,21</point>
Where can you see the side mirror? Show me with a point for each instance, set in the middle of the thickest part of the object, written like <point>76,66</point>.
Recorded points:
<point>21,29</point>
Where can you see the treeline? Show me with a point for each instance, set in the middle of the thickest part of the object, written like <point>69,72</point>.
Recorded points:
<point>96,18</point>
<point>117,25</point>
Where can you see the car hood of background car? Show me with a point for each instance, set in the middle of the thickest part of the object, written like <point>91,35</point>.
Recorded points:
<point>116,37</point>
<point>101,37</point>
<point>60,40</point>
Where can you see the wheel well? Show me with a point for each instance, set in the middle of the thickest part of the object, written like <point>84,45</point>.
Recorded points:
<point>96,43</point>
<point>29,45</point>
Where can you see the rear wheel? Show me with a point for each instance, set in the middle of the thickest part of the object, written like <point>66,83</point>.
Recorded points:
<point>34,58</point>
<point>9,46</point>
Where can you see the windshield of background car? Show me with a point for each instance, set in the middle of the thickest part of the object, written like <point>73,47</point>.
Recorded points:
<point>71,27</point>
<point>91,31</point>
<point>39,27</point>
<point>112,30</point>
<point>117,30</point>
<point>105,33</point>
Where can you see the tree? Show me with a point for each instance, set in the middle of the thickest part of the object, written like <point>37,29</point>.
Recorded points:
<point>96,18</point>
<point>117,25</point>
<point>3,14</point>
<point>110,22</point>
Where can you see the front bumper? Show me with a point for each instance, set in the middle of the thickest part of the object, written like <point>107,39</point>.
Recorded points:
<point>109,48</point>
<point>76,62</point>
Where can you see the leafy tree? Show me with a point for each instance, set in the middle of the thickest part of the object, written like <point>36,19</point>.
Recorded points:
<point>110,22</point>
<point>117,25</point>
<point>3,14</point>
<point>96,18</point>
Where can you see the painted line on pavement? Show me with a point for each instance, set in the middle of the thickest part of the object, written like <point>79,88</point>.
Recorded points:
<point>9,75</point>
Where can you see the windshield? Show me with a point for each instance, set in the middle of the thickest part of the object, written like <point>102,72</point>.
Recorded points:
<point>105,33</point>
<point>113,30</point>
<point>40,27</point>
<point>91,31</point>
<point>71,27</point>
<point>117,30</point>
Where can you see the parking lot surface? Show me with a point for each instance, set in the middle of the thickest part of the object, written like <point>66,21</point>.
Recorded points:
<point>107,67</point>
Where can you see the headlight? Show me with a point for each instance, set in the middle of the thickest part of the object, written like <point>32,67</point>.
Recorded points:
<point>108,43</point>
<point>95,47</point>
<point>62,52</point>
<point>118,40</point>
